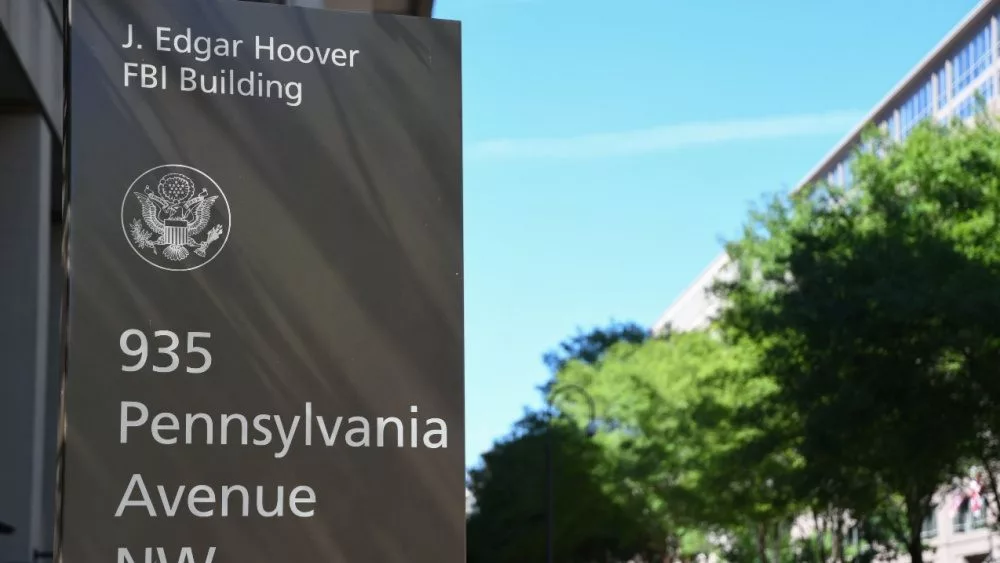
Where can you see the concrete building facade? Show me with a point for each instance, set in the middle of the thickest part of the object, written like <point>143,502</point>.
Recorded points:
<point>31,284</point>
<point>32,219</point>
<point>943,85</point>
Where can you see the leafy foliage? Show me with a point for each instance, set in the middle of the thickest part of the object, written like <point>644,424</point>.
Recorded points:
<point>851,375</point>
<point>684,429</point>
<point>591,346</point>
<point>509,523</point>
<point>871,308</point>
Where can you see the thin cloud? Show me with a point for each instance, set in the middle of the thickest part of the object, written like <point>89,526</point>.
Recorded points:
<point>669,137</point>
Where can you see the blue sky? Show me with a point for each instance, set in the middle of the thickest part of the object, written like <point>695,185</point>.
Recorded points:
<point>607,151</point>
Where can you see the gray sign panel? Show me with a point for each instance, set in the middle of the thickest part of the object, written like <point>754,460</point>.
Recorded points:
<point>265,349</point>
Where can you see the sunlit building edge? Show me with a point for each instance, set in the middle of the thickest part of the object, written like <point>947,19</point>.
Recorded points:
<point>943,85</point>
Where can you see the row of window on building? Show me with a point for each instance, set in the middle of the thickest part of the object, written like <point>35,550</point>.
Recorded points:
<point>965,79</point>
<point>965,520</point>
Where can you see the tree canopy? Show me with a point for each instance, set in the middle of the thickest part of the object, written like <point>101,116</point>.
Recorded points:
<point>850,376</point>
<point>509,522</point>
<point>682,418</point>
<point>874,309</point>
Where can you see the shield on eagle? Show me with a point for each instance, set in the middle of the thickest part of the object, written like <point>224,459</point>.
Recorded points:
<point>178,211</point>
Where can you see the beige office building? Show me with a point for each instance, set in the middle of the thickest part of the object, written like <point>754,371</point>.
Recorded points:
<point>942,85</point>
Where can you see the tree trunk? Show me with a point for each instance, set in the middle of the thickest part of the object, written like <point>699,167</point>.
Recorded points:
<point>993,499</point>
<point>762,542</point>
<point>838,536</point>
<point>820,535</point>
<point>669,552</point>
<point>777,542</point>
<point>915,509</point>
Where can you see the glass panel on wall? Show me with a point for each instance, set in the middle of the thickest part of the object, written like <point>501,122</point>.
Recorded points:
<point>942,90</point>
<point>915,109</point>
<point>970,105</point>
<point>971,61</point>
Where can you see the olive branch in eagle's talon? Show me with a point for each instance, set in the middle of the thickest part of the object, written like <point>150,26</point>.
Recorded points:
<point>141,236</point>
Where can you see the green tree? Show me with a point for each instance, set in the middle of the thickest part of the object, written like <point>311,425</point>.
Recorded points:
<point>876,311</point>
<point>590,347</point>
<point>509,524</point>
<point>682,426</point>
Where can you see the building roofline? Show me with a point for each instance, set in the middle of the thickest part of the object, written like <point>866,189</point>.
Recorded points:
<point>939,53</point>
<point>708,272</point>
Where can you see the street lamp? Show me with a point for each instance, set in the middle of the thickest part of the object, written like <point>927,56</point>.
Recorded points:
<point>550,511</point>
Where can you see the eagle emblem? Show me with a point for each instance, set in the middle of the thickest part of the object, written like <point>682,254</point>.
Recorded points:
<point>171,229</point>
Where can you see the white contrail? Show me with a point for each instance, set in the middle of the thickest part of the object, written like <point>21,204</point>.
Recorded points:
<point>669,137</point>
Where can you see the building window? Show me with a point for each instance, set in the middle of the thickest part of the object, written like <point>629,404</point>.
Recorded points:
<point>849,171</point>
<point>854,536</point>
<point>942,88</point>
<point>969,106</point>
<point>967,520</point>
<point>971,61</point>
<point>833,176</point>
<point>929,528</point>
<point>890,126</point>
<point>915,110</point>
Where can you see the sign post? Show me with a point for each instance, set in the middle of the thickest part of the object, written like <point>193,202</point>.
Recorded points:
<point>265,333</point>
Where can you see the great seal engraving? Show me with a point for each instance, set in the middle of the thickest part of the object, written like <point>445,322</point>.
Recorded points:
<point>176,217</point>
